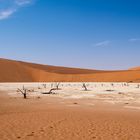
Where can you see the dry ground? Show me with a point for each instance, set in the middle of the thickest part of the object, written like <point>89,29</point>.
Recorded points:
<point>69,117</point>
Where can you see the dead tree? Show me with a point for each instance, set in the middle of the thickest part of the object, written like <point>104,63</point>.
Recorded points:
<point>44,85</point>
<point>85,87</point>
<point>57,86</point>
<point>24,92</point>
<point>51,91</point>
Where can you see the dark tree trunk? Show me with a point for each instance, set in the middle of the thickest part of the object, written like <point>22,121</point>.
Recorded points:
<point>24,95</point>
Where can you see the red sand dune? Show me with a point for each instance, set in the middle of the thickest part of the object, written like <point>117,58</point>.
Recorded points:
<point>17,71</point>
<point>135,68</point>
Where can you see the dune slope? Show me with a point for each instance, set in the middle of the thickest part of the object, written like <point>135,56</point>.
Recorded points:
<point>17,71</point>
<point>135,68</point>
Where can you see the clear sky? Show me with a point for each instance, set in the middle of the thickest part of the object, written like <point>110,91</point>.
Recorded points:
<point>98,34</point>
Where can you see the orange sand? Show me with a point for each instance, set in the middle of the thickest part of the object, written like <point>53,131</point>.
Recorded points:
<point>56,119</point>
<point>16,71</point>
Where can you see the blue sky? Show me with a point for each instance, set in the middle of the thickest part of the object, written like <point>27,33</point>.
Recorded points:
<point>98,34</point>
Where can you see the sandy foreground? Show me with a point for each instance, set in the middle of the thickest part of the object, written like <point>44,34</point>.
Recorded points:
<point>107,111</point>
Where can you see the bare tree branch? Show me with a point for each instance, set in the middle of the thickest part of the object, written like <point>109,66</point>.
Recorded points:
<point>23,92</point>
<point>85,87</point>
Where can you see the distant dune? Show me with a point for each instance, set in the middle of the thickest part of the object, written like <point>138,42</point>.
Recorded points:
<point>135,68</point>
<point>17,71</point>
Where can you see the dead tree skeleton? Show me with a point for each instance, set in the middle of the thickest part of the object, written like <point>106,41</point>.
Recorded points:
<point>24,92</point>
<point>57,86</point>
<point>85,87</point>
<point>44,85</point>
<point>52,89</point>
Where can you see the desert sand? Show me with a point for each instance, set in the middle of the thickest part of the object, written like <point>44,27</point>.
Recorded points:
<point>17,71</point>
<point>106,111</point>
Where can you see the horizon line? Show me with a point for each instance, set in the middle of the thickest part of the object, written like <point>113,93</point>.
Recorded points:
<point>38,63</point>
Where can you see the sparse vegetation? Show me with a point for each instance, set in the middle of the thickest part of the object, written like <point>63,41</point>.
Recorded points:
<point>85,87</point>
<point>57,86</point>
<point>44,85</point>
<point>23,92</point>
<point>51,91</point>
